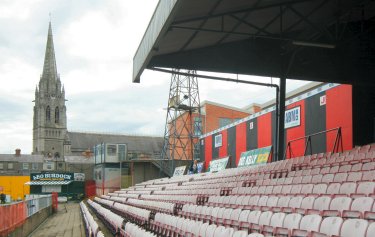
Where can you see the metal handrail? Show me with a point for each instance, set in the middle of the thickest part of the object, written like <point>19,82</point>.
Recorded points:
<point>338,141</point>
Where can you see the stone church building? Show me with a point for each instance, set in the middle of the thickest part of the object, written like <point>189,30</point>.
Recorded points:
<point>51,137</point>
<point>49,122</point>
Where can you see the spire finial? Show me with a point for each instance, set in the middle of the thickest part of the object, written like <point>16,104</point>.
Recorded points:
<point>50,18</point>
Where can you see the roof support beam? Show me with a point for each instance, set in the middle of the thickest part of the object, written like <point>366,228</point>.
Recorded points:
<point>250,9</point>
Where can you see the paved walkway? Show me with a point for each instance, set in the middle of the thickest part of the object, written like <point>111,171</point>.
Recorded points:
<point>67,222</point>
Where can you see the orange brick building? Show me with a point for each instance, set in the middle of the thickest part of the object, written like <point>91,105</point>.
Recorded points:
<point>213,116</point>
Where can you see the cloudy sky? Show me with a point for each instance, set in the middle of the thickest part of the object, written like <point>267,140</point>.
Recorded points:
<point>95,42</point>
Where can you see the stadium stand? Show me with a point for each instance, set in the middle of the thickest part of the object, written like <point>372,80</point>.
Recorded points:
<point>316,195</point>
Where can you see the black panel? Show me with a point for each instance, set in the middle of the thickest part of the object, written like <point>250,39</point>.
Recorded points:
<point>315,121</point>
<point>232,146</point>
<point>252,134</point>
<point>363,115</point>
<point>202,144</point>
<point>35,189</point>
<point>215,151</point>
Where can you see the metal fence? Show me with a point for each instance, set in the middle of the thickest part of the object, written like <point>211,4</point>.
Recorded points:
<point>35,203</point>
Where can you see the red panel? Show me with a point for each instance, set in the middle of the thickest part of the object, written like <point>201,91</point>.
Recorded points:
<point>339,114</point>
<point>208,150</point>
<point>240,140</point>
<point>264,130</point>
<point>223,150</point>
<point>297,148</point>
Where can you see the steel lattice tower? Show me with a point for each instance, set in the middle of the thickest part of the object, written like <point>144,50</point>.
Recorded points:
<point>183,123</point>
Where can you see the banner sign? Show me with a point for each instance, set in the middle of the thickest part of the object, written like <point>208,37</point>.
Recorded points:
<point>293,117</point>
<point>254,157</point>
<point>52,177</point>
<point>217,165</point>
<point>178,171</point>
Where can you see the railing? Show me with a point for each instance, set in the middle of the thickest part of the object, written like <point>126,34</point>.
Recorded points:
<point>308,144</point>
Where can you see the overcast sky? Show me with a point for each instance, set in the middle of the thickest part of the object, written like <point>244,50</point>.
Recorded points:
<point>95,42</point>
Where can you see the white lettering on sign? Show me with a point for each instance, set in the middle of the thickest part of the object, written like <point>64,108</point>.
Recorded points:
<point>52,176</point>
<point>251,125</point>
<point>293,117</point>
<point>323,100</point>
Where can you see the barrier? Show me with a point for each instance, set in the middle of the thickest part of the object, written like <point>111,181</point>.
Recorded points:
<point>14,215</point>
<point>11,216</point>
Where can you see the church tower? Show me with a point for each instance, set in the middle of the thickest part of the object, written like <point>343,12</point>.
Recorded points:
<point>49,122</point>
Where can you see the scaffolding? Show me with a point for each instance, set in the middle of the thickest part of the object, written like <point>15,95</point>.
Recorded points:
<point>183,122</point>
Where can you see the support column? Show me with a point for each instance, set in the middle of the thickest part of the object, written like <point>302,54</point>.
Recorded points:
<point>281,120</point>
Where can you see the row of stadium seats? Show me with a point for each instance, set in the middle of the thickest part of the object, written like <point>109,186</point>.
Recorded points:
<point>114,222</point>
<point>92,228</point>
<point>362,207</point>
<point>168,225</point>
<point>133,230</point>
<point>134,214</point>
<point>355,189</point>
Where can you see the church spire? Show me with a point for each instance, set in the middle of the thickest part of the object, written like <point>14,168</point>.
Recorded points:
<point>49,67</point>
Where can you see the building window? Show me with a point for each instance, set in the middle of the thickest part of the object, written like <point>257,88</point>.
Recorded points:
<point>34,166</point>
<point>48,166</point>
<point>48,114</point>
<point>1,166</point>
<point>224,122</point>
<point>197,126</point>
<point>57,115</point>
<point>111,150</point>
<point>10,166</point>
<point>218,140</point>
<point>25,166</point>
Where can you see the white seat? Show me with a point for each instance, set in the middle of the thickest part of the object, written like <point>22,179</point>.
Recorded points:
<point>240,233</point>
<point>202,229</point>
<point>210,231</point>
<point>331,226</point>
<point>277,220</point>
<point>308,224</point>
<point>371,230</point>
<point>354,227</point>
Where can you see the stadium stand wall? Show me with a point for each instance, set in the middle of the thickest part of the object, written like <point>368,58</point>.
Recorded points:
<point>324,108</point>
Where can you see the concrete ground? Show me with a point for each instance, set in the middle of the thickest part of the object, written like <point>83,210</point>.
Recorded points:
<point>67,222</point>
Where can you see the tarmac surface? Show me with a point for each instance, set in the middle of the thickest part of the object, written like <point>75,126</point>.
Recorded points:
<point>67,222</point>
